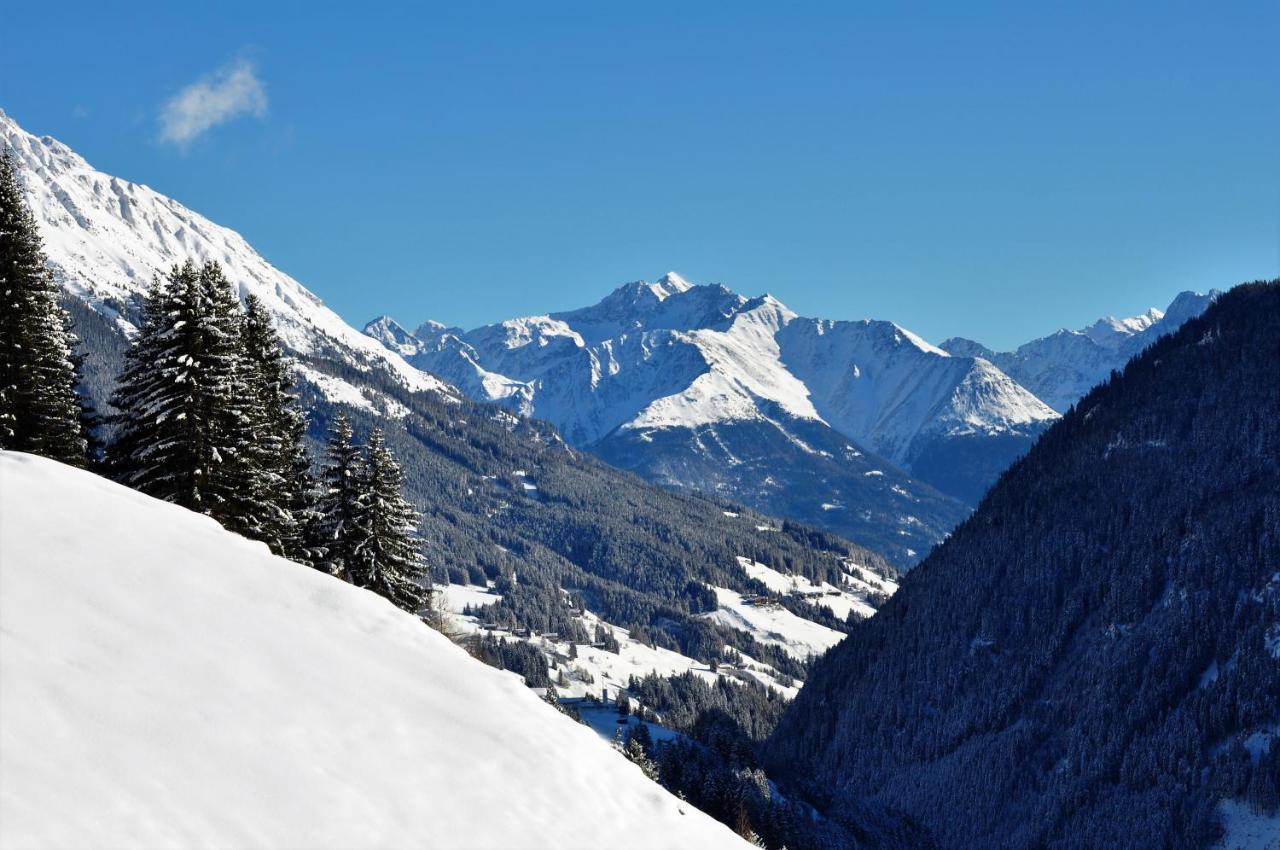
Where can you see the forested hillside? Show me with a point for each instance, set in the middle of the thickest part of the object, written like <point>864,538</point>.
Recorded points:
<point>505,500</point>
<point>1093,658</point>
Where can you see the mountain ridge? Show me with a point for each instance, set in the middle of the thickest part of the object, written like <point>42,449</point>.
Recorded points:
<point>90,224</point>
<point>1063,366</point>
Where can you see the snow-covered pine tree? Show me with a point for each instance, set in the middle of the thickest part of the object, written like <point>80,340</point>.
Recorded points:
<point>40,409</point>
<point>391,564</point>
<point>186,413</point>
<point>305,493</point>
<point>279,428</point>
<point>343,504</point>
<point>245,490</point>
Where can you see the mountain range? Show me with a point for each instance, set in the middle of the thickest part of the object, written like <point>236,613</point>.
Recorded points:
<point>1088,659</point>
<point>859,427</point>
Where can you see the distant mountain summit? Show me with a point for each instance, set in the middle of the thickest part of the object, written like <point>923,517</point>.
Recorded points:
<point>1063,366</point>
<point>1092,659</point>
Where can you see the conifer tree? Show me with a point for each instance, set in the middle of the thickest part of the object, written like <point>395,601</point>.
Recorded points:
<point>246,489</point>
<point>305,493</point>
<point>391,564</point>
<point>343,504</point>
<point>41,410</point>
<point>279,429</point>
<point>186,413</point>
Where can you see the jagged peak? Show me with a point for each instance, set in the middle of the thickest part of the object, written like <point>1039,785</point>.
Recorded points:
<point>958,346</point>
<point>383,321</point>
<point>1189,303</point>
<point>672,282</point>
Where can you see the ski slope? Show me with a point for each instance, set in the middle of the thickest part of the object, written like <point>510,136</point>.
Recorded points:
<point>166,683</point>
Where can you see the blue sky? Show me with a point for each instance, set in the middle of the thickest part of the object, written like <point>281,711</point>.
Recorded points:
<point>995,172</point>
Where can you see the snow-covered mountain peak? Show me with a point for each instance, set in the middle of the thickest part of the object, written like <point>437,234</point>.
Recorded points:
<point>674,356</point>
<point>1112,332</point>
<point>107,239</point>
<point>958,346</point>
<point>902,334</point>
<point>671,282</point>
<point>1186,305</point>
<point>392,334</point>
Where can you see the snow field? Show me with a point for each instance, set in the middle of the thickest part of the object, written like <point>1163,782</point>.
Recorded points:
<point>166,683</point>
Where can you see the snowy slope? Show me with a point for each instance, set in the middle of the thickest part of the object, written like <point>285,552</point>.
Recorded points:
<point>593,672</point>
<point>107,239</point>
<point>590,669</point>
<point>1062,367</point>
<point>166,683</point>
<point>883,385</point>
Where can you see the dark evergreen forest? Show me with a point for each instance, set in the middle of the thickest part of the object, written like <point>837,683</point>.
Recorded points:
<point>1083,662</point>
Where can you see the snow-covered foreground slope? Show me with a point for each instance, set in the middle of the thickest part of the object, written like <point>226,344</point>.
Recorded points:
<point>166,683</point>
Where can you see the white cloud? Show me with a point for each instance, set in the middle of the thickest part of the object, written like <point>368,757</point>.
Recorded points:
<point>216,98</point>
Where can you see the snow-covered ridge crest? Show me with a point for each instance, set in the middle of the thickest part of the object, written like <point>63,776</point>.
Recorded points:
<point>1062,367</point>
<point>107,239</point>
<point>168,683</point>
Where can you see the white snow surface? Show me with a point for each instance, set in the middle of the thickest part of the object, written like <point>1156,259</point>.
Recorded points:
<point>850,597</point>
<point>1245,829</point>
<point>770,623</point>
<point>596,669</point>
<point>166,683</point>
<point>107,239</point>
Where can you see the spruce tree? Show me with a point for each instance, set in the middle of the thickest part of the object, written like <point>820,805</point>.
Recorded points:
<point>343,505</point>
<point>391,564</point>
<point>279,429</point>
<point>245,489</point>
<point>41,410</point>
<point>185,427</point>
<point>305,494</point>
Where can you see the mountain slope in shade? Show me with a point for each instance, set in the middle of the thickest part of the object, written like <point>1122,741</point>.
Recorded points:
<point>1093,658</point>
<point>1063,366</point>
<point>701,387</point>
<point>167,683</point>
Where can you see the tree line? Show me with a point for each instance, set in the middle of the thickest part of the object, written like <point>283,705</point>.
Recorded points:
<point>206,417</point>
